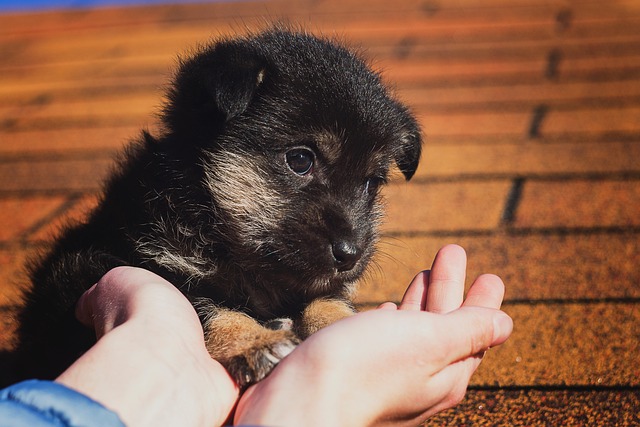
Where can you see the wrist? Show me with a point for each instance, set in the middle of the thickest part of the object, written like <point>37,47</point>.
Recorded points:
<point>307,388</point>
<point>144,386</point>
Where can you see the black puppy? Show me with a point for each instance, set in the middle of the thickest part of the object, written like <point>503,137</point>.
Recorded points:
<point>259,200</point>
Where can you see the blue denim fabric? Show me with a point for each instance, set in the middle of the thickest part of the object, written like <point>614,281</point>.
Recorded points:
<point>37,403</point>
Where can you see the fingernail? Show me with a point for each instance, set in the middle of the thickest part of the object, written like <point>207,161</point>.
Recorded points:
<point>502,327</point>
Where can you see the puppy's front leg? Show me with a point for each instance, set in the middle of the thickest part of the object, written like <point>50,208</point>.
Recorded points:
<point>320,313</point>
<point>248,350</point>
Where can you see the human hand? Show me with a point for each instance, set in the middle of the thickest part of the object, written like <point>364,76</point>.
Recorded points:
<point>393,366</point>
<point>150,364</point>
<point>441,291</point>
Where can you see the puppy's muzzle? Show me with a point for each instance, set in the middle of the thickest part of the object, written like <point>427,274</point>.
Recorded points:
<point>346,255</point>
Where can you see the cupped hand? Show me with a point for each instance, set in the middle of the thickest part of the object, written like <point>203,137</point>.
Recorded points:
<point>397,365</point>
<point>150,364</point>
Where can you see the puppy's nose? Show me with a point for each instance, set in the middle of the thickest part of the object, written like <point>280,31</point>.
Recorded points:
<point>345,254</point>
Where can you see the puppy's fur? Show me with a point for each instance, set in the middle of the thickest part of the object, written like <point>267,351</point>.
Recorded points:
<point>259,200</point>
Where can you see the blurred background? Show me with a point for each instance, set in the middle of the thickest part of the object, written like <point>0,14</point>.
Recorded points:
<point>531,116</point>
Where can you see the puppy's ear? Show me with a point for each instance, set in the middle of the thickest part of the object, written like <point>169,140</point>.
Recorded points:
<point>213,87</point>
<point>407,153</point>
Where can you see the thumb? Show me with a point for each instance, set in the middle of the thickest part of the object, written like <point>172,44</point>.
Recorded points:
<point>472,330</point>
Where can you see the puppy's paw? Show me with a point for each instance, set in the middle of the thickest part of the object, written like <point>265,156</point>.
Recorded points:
<point>257,361</point>
<point>321,313</point>
<point>248,349</point>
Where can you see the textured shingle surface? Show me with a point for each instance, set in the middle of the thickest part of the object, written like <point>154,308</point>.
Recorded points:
<point>531,112</point>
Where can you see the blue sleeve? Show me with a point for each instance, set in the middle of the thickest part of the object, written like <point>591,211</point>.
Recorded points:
<point>36,403</point>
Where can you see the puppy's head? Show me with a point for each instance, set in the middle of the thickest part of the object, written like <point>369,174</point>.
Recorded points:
<point>295,136</point>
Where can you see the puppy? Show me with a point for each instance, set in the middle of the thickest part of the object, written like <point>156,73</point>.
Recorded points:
<point>259,200</point>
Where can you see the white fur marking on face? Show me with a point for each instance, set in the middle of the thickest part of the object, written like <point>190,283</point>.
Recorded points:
<point>252,206</point>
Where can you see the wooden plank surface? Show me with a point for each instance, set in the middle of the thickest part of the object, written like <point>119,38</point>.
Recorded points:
<point>531,115</point>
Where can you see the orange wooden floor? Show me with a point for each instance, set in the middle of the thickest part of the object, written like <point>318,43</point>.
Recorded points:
<point>531,111</point>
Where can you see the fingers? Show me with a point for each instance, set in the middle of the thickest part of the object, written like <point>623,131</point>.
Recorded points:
<point>487,291</point>
<point>102,305</point>
<point>84,308</point>
<point>104,296</point>
<point>472,330</point>
<point>121,293</point>
<point>483,329</point>
<point>387,306</point>
<point>415,297</point>
<point>445,291</point>
<point>441,289</point>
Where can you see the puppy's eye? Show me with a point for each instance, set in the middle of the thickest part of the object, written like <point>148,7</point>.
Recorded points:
<point>300,160</point>
<point>372,184</point>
